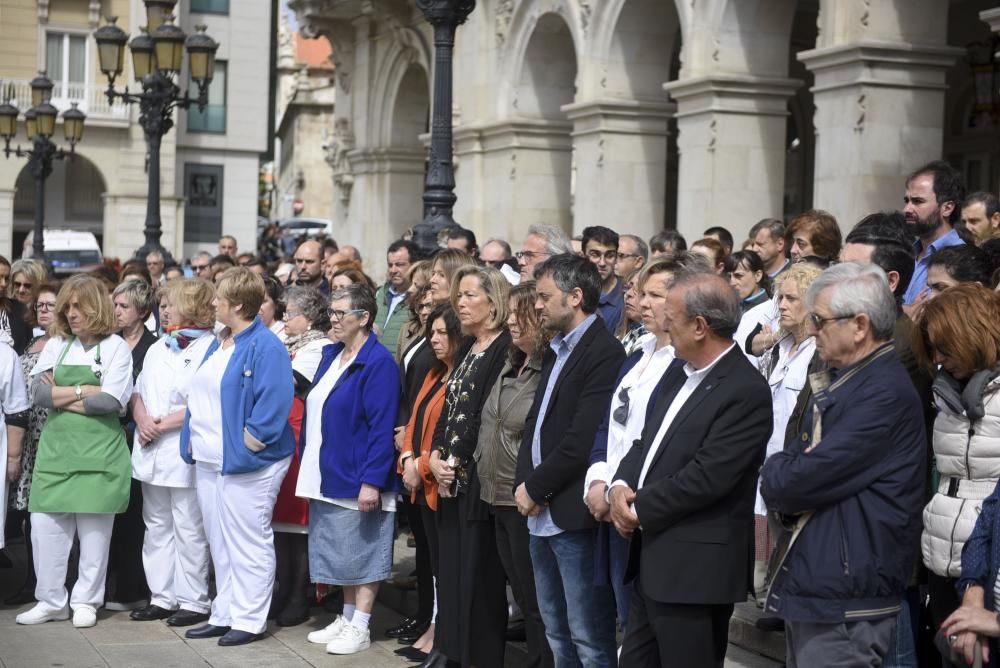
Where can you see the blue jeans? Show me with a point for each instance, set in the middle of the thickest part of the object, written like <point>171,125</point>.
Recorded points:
<point>579,617</point>
<point>902,651</point>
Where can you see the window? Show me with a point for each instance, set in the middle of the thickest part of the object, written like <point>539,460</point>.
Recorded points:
<point>213,118</point>
<point>203,214</point>
<point>210,6</point>
<point>66,64</point>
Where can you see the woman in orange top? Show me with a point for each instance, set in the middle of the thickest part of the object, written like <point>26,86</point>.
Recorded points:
<point>444,332</point>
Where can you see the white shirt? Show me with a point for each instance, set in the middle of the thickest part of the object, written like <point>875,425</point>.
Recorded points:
<point>308,357</point>
<point>278,327</point>
<point>13,399</point>
<point>761,314</point>
<point>787,380</point>
<point>694,378</point>
<point>115,364</point>
<point>308,486</point>
<point>163,386</point>
<point>205,392</point>
<point>640,380</point>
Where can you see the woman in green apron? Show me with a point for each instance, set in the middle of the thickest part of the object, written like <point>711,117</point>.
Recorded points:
<point>82,468</point>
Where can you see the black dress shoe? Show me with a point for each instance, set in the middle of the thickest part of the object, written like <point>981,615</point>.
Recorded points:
<point>407,624</point>
<point>770,624</point>
<point>435,660</point>
<point>149,613</point>
<point>413,654</point>
<point>207,631</point>
<point>414,634</point>
<point>235,637</point>
<point>187,618</point>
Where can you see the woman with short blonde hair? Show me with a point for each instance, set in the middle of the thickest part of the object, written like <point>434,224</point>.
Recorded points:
<point>82,474</point>
<point>243,289</point>
<point>174,548</point>
<point>495,288</point>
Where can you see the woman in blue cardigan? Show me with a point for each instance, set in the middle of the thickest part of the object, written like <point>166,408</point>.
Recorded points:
<point>348,469</point>
<point>237,435</point>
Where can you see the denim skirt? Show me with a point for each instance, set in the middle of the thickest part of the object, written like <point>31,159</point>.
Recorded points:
<point>349,547</point>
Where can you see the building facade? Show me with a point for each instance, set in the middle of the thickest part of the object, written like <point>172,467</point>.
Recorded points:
<point>641,114</point>
<point>209,161</point>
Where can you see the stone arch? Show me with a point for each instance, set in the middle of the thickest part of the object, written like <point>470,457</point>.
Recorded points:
<point>74,198</point>
<point>634,43</point>
<point>394,67</point>
<point>522,30</point>
<point>405,156</point>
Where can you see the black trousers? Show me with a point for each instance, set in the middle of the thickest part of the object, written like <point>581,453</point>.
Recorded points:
<point>944,599</point>
<point>472,597</point>
<point>126,577</point>
<point>425,579</point>
<point>674,634</point>
<point>512,544</point>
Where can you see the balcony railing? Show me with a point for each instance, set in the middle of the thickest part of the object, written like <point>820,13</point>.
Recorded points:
<point>89,98</point>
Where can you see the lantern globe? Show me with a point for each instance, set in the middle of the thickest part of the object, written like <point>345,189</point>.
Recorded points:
<point>46,115</point>
<point>41,89</point>
<point>31,124</point>
<point>143,55</point>
<point>111,41</point>
<point>201,55</point>
<point>158,11</point>
<point>73,120</point>
<point>8,121</point>
<point>168,40</point>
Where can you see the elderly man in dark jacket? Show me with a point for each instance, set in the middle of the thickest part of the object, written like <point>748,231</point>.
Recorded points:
<point>850,487</point>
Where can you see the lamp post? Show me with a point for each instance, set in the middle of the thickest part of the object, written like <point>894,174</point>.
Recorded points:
<point>439,182</point>
<point>157,58</point>
<point>40,125</point>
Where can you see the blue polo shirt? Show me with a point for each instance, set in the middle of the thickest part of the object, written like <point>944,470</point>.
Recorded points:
<point>919,280</point>
<point>612,306</point>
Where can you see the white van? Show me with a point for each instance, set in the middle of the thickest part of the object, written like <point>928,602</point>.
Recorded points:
<point>68,251</point>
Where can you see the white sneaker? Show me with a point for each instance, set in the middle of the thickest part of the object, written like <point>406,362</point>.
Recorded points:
<point>351,639</point>
<point>324,636</point>
<point>84,618</point>
<point>39,615</point>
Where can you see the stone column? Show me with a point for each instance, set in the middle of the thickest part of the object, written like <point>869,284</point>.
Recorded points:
<point>620,158</point>
<point>991,17</point>
<point>879,115</point>
<point>731,146</point>
<point>7,223</point>
<point>387,188</point>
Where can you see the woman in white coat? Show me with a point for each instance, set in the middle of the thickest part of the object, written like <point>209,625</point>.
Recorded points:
<point>175,552</point>
<point>959,336</point>
<point>786,366</point>
<point>14,406</point>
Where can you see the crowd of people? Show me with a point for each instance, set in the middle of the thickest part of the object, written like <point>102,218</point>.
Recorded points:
<point>616,439</point>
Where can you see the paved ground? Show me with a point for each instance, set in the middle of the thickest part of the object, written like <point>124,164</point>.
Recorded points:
<point>116,641</point>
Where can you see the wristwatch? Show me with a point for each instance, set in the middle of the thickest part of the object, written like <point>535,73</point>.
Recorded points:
<point>79,393</point>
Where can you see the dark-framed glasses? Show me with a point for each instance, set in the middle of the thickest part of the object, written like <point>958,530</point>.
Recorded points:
<point>337,314</point>
<point>529,255</point>
<point>819,323</point>
<point>621,413</point>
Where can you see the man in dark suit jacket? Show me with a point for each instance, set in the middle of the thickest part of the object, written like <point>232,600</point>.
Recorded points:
<point>686,495</point>
<point>574,392</point>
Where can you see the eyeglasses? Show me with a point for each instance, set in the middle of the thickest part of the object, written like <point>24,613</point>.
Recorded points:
<point>425,307</point>
<point>18,285</point>
<point>199,267</point>
<point>45,306</point>
<point>528,256</point>
<point>337,315</point>
<point>289,314</point>
<point>596,255</point>
<point>621,413</point>
<point>819,323</point>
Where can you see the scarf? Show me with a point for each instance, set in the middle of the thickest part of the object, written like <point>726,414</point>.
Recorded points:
<point>179,337</point>
<point>296,343</point>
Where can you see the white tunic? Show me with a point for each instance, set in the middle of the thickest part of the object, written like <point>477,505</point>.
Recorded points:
<point>13,399</point>
<point>308,357</point>
<point>790,375</point>
<point>205,392</point>
<point>163,386</point>
<point>640,380</point>
<point>761,314</point>
<point>115,365</point>
<point>308,486</point>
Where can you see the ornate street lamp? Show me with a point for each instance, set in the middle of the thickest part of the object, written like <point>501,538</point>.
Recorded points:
<point>157,58</point>
<point>39,126</point>
<point>439,182</point>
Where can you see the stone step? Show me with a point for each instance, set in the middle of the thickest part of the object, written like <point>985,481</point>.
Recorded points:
<point>744,633</point>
